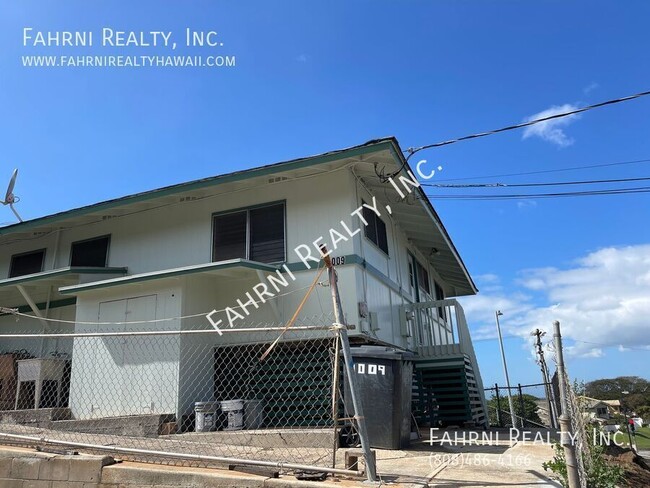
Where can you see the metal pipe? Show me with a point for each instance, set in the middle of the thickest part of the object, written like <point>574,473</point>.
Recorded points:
<point>565,420</point>
<point>335,396</point>
<point>513,417</point>
<point>371,469</point>
<point>197,457</point>
<point>162,332</point>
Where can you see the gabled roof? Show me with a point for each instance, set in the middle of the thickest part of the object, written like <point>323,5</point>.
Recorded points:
<point>588,402</point>
<point>419,220</point>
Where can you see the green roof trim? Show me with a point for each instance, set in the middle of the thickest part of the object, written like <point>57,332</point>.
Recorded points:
<point>169,273</point>
<point>53,273</point>
<point>370,146</point>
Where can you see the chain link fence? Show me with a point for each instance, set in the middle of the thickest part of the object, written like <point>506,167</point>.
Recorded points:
<point>530,404</point>
<point>257,393</point>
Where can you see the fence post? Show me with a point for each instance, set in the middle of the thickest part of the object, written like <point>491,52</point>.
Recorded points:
<point>341,330</point>
<point>496,389</point>
<point>565,419</point>
<point>522,406</point>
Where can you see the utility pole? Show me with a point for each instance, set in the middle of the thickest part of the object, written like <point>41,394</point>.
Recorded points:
<point>513,416</point>
<point>342,331</point>
<point>565,419</point>
<point>545,378</point>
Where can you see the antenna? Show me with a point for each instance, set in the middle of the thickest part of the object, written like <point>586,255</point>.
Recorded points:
<point>10,198</point>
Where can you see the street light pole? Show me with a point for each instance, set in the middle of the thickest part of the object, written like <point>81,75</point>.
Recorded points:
<point>513,417</point>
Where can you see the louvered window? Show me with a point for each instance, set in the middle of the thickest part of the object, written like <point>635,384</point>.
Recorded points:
<point>256,234</point>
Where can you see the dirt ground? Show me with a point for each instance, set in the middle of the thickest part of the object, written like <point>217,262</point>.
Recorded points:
<point>637,468</point>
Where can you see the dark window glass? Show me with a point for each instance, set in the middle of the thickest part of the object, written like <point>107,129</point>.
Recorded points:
<point>423,279</point>
<point>229,236</point>
<point>382,237</point>
<point>375,229</point>
<point>411,276</point>
<point>267,234</point>
<point>93,252</point>
<point>256,234</point>
<point>440,295</point>
<point>28,263</point>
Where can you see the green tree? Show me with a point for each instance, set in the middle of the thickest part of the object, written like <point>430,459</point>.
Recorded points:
<point>637,388</point>
<point>529,411</point>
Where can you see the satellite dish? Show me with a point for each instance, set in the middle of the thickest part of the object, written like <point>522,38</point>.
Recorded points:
<point>10,198</point>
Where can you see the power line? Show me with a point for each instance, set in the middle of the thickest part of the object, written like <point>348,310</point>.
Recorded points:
<point>559,170</point>
<point>414,150</point>
<point>621,191</point>
<point>515,185</point>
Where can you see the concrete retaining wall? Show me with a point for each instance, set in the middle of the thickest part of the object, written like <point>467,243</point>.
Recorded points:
<point>26,468</point>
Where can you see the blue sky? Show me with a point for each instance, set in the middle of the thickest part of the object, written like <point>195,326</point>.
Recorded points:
<point>314,77</point>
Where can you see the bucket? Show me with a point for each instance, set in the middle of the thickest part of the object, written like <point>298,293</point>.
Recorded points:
<point>235,411</point>
<point>205,416</point>
<point>253,414</point>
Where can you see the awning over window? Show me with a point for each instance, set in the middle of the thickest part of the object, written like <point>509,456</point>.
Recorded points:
<point>39,288</point>
<point>232,268</point>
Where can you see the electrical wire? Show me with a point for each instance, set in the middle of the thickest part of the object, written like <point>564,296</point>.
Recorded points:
<point>621,191</point>
<point>152,321</point>
<point>520,185</point>
<point>558,170</point>
<point>529,122</point>
<point>413,150</point>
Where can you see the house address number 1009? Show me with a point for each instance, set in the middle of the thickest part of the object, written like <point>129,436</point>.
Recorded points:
<point>362,368</point>
<point>338,261</point>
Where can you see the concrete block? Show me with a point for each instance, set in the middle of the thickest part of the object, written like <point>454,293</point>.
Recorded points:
<point>5,467</point>
<point>86,470</point>
<point>37,484</point>
<point>68,484</point>
<point>25,468</point>
<point>353,457</point>
<point>131,477</point>
<point>9,483</point>
<point>54,469</point>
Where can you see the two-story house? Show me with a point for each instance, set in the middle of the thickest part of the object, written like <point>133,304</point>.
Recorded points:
<point>195,247</point>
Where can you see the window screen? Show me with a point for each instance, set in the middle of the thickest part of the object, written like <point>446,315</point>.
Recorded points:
<point>229,236</point>
<point>28,263</point>
<point>440,295</point>
<point>92,252</point>
<point>256,234</point>
<point>267,234</point>
<point>375,229</point>
<point>423,279</point>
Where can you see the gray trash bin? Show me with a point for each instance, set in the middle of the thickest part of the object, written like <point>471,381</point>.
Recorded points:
<point>384,378</point>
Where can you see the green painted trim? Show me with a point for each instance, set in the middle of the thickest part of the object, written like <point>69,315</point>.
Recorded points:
<point>167,273</point>
<point>65,302</point>
<point>358,260</point>
<point>386,280</point>
<point>58,272</point>
<point>368,147</point>
<point>349,259</point>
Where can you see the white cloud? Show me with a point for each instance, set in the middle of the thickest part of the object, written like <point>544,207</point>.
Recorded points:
<point>303,58</point>
<point>590,87</point>
<point>524,204</point>
<point>552,130</point>
<point>487,278</point>
<point>602,299</point>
